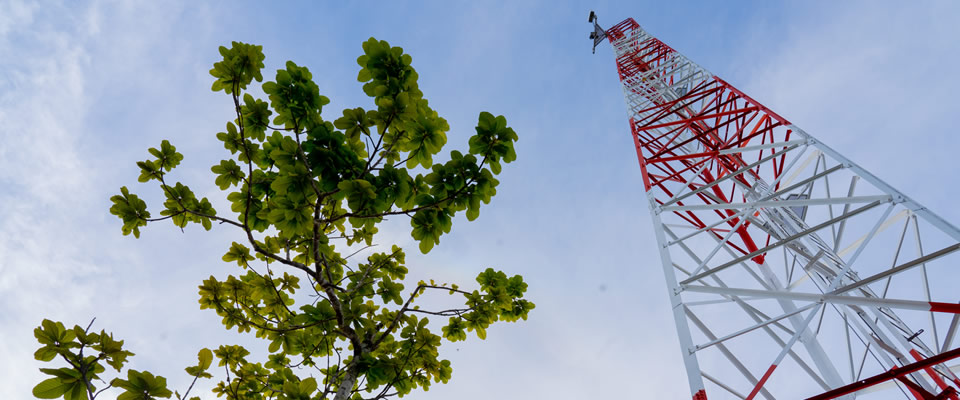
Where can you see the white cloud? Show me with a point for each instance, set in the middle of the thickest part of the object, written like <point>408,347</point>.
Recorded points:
<point>60,256</point>
<point>40,111</point>
<point>873,80</point>
<point>99,84</point>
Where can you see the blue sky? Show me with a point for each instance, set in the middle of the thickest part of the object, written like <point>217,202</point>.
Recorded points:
<point>86,88</point>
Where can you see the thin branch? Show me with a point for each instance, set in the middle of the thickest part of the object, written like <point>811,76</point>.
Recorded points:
<point>184,396</point>
<point>446,288</point>
<point>366,272</point>
<point>109,385</point>
<point>279,129</point>
<point>458,312</point>
<point>393,324</point>
<point>383,132</point>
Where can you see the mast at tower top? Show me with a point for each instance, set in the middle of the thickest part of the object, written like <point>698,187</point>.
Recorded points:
<point>598,34</point>
<point>790,269</point>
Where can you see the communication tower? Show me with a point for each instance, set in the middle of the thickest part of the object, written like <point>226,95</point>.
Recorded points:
<point>792,271</point>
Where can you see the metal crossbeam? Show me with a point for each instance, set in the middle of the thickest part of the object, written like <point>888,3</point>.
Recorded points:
<point>780,203</point>
<point>827,298</point>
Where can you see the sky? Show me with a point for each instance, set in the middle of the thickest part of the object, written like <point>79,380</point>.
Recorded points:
<point>87,87</point>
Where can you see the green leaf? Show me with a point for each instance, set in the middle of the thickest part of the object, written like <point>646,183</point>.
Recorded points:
<point>68,375</point>
<point>45,353</point>
<point>308,385</point>
<point>149,170</point>
<point>51,388</point>
<point>241,64</point>
<point>131,210</point>
<point>238,253</point>
<point>275,346</point>
<point>294,96</point>
<point>167,156</point>
<point>142,385</point>
<point>256,116</point>
<point>228,174</point>
<point>206,357</point>
<point>481,333</point>
<point>77,392</point>
<point>425,246</point>
<point>291,389</point>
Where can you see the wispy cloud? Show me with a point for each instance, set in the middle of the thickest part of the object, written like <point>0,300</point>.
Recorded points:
<point>59,255</point>
<point>85,89</point>
<point>873,80</point>
<point>41,108</point>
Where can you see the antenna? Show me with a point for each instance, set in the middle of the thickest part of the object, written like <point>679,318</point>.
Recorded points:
<point>598,34</point>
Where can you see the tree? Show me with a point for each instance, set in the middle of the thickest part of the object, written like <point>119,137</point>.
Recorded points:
<point>294,192</point>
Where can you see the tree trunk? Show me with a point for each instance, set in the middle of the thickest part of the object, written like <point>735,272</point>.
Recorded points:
<point>346,386</point>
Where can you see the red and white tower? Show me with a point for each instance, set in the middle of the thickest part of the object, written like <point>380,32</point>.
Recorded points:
<point>792,271</point>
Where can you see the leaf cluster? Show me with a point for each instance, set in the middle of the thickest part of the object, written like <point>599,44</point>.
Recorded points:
<point>297,184</point>
<point>78,379</point>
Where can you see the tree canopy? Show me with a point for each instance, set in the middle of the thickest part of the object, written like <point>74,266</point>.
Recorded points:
<point>298,185</point>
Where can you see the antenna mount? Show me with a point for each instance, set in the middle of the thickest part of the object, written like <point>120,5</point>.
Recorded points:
<point>598,34</point>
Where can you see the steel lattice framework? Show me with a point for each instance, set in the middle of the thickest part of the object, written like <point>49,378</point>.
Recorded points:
<point>792,271</point>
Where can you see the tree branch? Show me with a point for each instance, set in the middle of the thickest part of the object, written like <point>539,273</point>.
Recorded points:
<point>393,324</point>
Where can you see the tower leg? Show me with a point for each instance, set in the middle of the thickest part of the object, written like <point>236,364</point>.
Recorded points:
<point>694,379</point>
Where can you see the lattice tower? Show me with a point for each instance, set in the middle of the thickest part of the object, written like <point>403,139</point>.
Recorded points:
<point>791,270</point>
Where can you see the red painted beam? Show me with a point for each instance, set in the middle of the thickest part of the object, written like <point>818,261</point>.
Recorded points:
<point>945,307</point>
<point>933,374</point>
<point>886,376</point>
<point>756,389</point>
